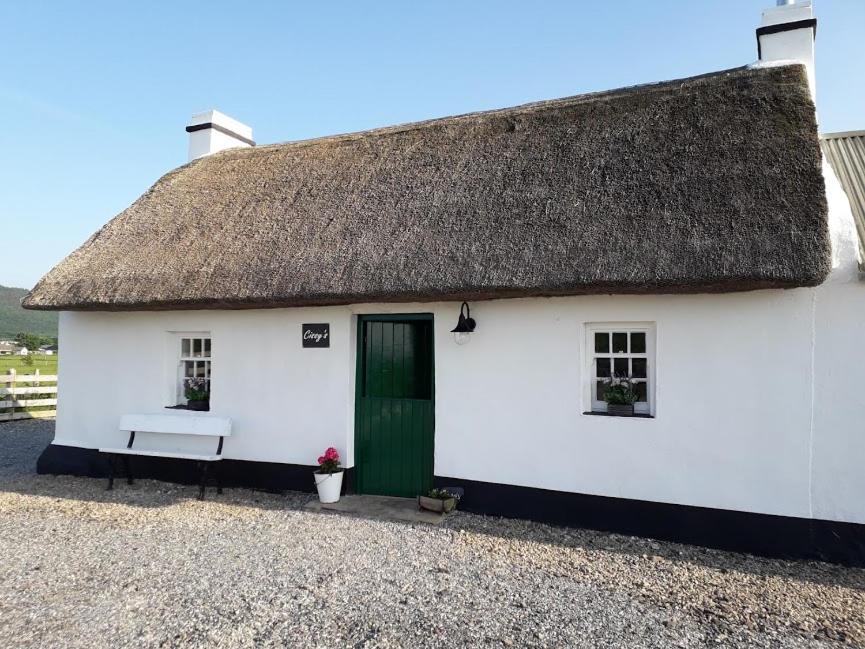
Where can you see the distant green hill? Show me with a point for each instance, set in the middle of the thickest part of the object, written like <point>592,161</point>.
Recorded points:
<point>14,319</point>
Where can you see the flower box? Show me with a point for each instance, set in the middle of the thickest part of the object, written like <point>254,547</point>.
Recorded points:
<point>440,505</point>
<point>621,409</point>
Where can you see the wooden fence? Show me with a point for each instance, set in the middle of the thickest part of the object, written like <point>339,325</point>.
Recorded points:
<point>27,396</point>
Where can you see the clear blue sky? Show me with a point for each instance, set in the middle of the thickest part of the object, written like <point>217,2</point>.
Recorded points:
<point>94,96</point>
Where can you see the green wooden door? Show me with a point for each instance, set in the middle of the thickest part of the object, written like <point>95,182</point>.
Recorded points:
<point>394,411</point>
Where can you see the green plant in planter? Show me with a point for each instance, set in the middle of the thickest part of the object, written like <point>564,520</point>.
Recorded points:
<point>438,500</point>
<point>196,390</point>
<point>441,494</point>
<point>620,391</point>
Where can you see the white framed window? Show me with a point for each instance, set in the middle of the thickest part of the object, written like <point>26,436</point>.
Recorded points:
<point>621,350</point>
<point>194,360</point>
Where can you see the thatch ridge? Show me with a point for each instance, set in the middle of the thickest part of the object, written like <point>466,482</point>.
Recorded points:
<point>526,108</point>
<point>711,183</point>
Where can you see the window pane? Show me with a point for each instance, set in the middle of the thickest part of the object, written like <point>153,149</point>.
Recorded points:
<point>641,391</point>
<point>188,368</point>
<point>196,347</point>
<point>602,343</point>
<point>638,342</point>
<point>620,343</point>
<point>199,370</point>
<point>603,367</point>
<point>620,367</point>
<point>600,388</point>
<point>638,367</point>
<point>184,347</point>
<point>207,369</point>
<point>207,347</point>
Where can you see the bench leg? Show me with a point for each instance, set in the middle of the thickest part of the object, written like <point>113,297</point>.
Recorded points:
<point>127,465</point>
<point>110,472</point>
<point>203,466</point>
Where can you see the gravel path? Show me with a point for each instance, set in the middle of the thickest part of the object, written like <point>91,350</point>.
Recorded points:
<point>149,566</point>
<point>21,442</point>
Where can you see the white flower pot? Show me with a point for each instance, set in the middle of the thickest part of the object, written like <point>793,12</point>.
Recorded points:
<point>329,485</point>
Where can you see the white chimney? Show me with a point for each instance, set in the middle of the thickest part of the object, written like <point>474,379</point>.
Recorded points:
<point>213,131</point>
<point>786,33</point>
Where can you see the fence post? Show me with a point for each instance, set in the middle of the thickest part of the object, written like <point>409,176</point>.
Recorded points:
<point>36,383</point>
<point>12,393</point>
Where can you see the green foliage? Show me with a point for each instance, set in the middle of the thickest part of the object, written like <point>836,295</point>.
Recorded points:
<point>441,494</point>
<point>620,391</point>
<point>27,360</point>
<point>14,318</point>
<point>329,466</point>
<point>196,390</point>
<point>31,341</point>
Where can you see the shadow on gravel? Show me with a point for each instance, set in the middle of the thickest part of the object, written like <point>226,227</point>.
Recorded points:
<point>22,442</point>
<point>817,572</point>
<point>144,492</point>
<point>156,494</point>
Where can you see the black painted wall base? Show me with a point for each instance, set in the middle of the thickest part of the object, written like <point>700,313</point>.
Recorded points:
<point>264,476</point>
<point>762,534</point>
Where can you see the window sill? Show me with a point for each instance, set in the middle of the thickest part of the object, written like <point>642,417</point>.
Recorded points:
<point>181,406</point>
<point>636,415</point>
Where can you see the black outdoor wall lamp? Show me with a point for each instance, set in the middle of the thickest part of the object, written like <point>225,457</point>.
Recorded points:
<point>465,325</point>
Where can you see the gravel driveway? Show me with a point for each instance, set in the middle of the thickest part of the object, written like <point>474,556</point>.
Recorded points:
<point>150,566</point>
<point>21,442</point>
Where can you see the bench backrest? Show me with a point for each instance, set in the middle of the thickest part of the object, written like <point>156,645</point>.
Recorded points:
<point>177,424</point>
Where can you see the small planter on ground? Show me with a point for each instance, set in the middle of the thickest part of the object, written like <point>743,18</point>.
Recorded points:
<point>438,500</point>
<point>328,478</point>
<point>620,396</point>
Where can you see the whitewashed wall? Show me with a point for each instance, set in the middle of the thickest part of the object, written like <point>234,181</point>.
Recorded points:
<point>837,476</point>
<point>759,401</point>
<point>286,403</point>
<point>733,395</point>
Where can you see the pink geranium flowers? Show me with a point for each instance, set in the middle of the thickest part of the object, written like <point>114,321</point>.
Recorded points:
<point>329,462</point>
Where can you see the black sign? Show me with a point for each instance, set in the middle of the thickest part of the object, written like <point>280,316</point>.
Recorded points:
<point>316,335</point>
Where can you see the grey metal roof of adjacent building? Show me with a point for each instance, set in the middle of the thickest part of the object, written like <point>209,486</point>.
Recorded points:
<point>846,153</point>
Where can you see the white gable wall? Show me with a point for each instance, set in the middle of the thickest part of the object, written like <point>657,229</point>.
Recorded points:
<point>838,481</point>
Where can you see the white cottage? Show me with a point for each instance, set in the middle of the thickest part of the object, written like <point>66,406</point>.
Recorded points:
<point>688,234</point>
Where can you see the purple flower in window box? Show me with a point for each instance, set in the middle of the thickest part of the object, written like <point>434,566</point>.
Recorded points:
<point>197,393</point>
<point>620,395</point>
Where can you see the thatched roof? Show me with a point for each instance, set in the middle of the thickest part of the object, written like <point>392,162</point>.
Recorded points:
<point>705,184</point>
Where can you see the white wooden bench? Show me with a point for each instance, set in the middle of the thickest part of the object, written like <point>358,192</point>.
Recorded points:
<point>164,424</point>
